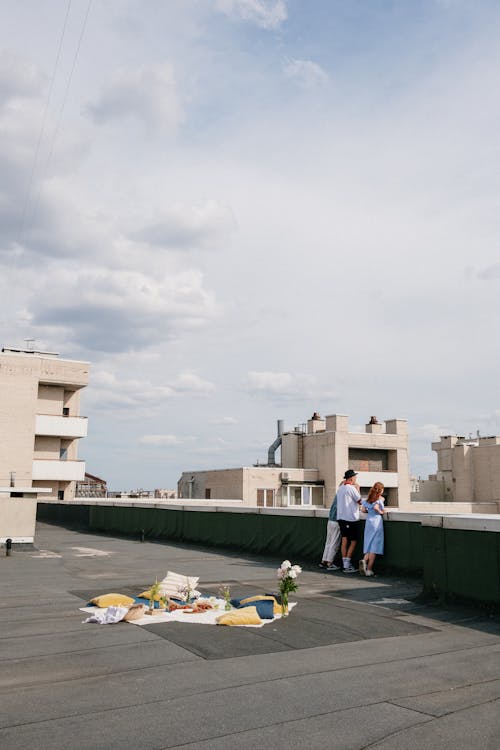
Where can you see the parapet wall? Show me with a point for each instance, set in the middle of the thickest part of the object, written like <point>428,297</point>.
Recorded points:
<point>456,556</point>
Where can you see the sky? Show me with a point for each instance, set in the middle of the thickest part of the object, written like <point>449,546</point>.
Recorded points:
<point>240,211</point>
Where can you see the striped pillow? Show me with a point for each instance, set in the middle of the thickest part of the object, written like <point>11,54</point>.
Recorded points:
<point>173,583</point>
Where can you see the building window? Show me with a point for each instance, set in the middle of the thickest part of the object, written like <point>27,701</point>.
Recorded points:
<point>302,495</point>
<point>63,454</point>
<point>60,494</point>
<point>265,498</point>
<point>65,411</point>
<point>208,493</point>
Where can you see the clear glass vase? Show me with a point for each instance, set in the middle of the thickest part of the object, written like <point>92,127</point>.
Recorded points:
<point>284,603</point>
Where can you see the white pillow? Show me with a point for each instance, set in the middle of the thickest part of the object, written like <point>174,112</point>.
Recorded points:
<point>174,582</point>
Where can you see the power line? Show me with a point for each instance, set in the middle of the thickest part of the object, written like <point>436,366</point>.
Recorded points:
<point>61,109</point>
<point>22,223</point>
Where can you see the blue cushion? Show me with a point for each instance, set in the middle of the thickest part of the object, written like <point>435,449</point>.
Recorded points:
<point>265,608</point>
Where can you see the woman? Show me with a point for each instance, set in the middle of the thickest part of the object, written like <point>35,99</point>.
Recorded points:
<point>373,543</point>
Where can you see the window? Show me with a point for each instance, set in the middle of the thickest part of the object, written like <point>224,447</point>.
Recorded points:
<point>265,497</point>
<point>303,495</point>
<point>63,454</point>
<point>65,411</point>
<point>60,494</point>
<point>208,493</point>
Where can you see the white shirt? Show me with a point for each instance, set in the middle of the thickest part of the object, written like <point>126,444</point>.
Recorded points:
<point>347,503</point>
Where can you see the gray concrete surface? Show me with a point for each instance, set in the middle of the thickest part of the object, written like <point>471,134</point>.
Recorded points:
<point>360,663</point>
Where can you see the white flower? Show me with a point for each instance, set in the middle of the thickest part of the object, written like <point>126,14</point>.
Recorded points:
<point>292,573</point>
<point>297,569</point>
<point>286,564</point>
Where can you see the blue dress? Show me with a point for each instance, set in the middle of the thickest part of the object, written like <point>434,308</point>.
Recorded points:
<point>374,528</point>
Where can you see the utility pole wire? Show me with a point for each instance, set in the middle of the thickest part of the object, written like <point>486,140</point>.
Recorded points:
<point>61,110</point>
<point>22,223</point>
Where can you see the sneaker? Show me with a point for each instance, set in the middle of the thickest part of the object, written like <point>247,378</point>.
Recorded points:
<point>369,573</point>
<point>350,569</point>
<point>333,567</point>
<point>362,567</point>
<point>323,565</point>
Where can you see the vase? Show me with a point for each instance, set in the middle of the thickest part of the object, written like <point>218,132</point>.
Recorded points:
<point>284,604</point>
<point>227,605</point>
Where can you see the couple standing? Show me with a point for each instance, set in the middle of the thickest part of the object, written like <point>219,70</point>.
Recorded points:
<point>344,526</point>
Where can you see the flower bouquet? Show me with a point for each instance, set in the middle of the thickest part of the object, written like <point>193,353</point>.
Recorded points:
<point>287,574</point>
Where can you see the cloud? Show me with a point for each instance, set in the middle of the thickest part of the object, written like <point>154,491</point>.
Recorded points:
<point>109,390</point>
<point>433,431</point>
<point>160,440</point>
<point>305,73</point>
<point>489,273</point>
<point>190,383</point>
<point>185,226</point>
<point>148,93</point>
<point>18,77</point>
<point>111,310</point>
<point>224,421</point>
<point>285,386</point>
<point>268,14</point>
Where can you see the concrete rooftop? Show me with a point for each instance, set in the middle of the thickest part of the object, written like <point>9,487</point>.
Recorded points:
<point>358,664</point>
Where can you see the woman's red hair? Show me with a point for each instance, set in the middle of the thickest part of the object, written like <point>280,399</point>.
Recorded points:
<point>375,492</point>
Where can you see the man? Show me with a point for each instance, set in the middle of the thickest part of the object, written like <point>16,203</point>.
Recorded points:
<point>332,543</point>
<point>348,502</point>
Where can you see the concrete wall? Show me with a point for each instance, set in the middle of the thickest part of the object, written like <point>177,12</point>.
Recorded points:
<point>17,519</point>
<point>456,557</point>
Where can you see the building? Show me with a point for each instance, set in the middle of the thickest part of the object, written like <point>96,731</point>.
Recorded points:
<point>91,486</point>
<point>468,473</point>
<point>40,426</point>
<point>314,458</point>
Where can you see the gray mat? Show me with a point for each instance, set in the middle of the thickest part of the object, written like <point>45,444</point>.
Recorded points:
<point>312,623</point>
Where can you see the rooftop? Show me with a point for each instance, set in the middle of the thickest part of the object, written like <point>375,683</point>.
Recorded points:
<point>358,663</point>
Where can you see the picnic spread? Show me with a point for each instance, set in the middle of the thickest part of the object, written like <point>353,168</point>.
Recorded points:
<point>177,599</point>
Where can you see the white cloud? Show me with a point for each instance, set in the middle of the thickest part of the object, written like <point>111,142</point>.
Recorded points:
<point>269,14</point>
<point>160,440</point>
<point>148,93</point>
<point>18,77</point>
<point>433,431</point>
<point>111,391</point>
<point>489,273</point>
<point>224,421</point>
<point>306,73</point>
<point>190,383</point>
<point>285,386</point>
<point>184,226</point>
<point>112,310</point>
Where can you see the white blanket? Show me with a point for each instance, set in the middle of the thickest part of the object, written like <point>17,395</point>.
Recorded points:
<point>107,616</point>
<point>180,615</point>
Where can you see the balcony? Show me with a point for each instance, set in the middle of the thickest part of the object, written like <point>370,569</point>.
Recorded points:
<point>368,478</point>
<point>53,470</point>
<point>58,426</point>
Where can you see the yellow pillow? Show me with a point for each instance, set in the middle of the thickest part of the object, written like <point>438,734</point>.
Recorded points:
<point>112,600</point>
<point>276,606</point>
<point>147,595</point>
<point>245,616</point>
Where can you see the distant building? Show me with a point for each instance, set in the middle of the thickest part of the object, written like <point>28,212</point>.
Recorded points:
<point>91,486</point>
<point>40,427</point>
<point>468,471</point>
<point>314,458</point>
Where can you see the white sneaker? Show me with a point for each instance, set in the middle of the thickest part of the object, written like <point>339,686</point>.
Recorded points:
<point>350,569</point>
<point>333,567</point>
<point>362,567</point>
<point>369,573</point>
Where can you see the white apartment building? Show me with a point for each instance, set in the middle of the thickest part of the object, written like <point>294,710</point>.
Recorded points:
<point>468,475</point>
<point>40,427</point>
<point>314,457</point>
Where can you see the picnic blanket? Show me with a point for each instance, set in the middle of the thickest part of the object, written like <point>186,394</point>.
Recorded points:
<point>179,615</point>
